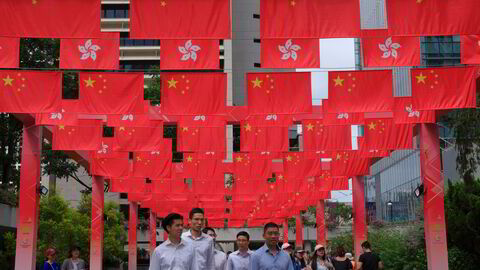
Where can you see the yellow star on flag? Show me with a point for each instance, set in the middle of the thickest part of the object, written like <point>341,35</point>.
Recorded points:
<point>310,126</point>
<point>372,125</point>
<point>289,158</point>
<point>247,127</point>
<point>280,177</point>
<point>61,127</point>
<point>257,83</point>
<point>338,156</point>
<point>185,129</point>
<point>293,3</point>
<point>172,83</point>
<point>421,78</point>
<point>7,81</point>
<point>338,81</point>
<point>419,1</point>
<point>121,128</point>
<point>189,159</point>
<point>239,159</point>
<point>89,82</point>
<point>163,3</point>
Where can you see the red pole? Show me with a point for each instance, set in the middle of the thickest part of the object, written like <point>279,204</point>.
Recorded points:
<point>320,217</point>
<point>96,242</point>
<point>433,206</point>
<point>132,236</point>
<point>285,231</point>
<point>359,217</point>
<point>153,231</point>
<point>299,229</point>
<point>25,256</point>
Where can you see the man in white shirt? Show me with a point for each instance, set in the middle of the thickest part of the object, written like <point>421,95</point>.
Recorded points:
<point>203,244</point>
<point>174,253</point>
<point>219,257</point>
<point>240,259</point>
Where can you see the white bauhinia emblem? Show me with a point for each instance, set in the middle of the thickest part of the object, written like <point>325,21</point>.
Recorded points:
<point>389,48</point>
<point>342,116</point>
<point>57,115</point>
<point>103,149</point>
<point>199,117</point>
<point>411,112</point>
<point>88,50</point>
<point>127,117</point>
<point>271,117</point>
<point>289,50</point>
<point>189,51</point>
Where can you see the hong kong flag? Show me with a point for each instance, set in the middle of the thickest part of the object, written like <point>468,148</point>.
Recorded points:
<point>265,133</point>
<point>194,93</point>
<point>141,139</point>
<point>404,112</point>
<point>86,136</point>
<point>30,91</point>
<point>180,19</point>
<point>290,53</point>
<point>111,93</point>
<point>190,54</point>
<point>9,52</point>
<point>444,88</point>
<point>50,18</point>
<point>93,53</point>
<point>201,133</point>
<point>309,19</point>
<point>130,120</point>
<point>381,134</point>
<point>107,163</point>
<point>360,91</point>
<point>319,137</point>
<point>279,93</point>
<point>470,49</point>
<point>340,118</point>
<point>153,164</point>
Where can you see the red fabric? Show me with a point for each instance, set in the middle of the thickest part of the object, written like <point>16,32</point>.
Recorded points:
<point>290,53</point>
<point>194,93</point>
<point>141,139</point>
<point>470,49</point>
<point>9,52</point>
<point>212,186</point>
<point>197,165</point>
<point>246,165</point>
<point>63,116</point>
<point>152,165</point>
<point>107,163</point>
<point>162,186</point>
<point>180,19</point>
<point>365,152</point>
<point>249,186</point>
<point>319,137</point>
<point>110,93</point>
<point>236,223</point>
<point>299,165</point>
<point>381,134</point>
<point>384,50</point>
<point>404,112</point>
<point>444,88</point>
<point>349,163</point>
<point>360,91</point>
<point>433,18</point>
<point>30,91</point>
<point>120,185</point>
<point>86,136</point>
<point>279,93</point>
<point>204,133</point>
<point>265,133</point>
<point>343,118</point>
<point>50,18</point>
<point>94,53</point>
<point>309,19</point>
<point>190,54</point>
<point>130,120</point>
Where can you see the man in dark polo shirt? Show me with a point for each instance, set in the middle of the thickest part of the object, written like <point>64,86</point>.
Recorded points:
<point>369,260</point>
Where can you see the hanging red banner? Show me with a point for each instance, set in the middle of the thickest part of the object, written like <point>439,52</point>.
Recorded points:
<point>404,112</point>
<point>9,52</point>
<point>153,164</point>
<point>265,133</point>
<point>141,139</point>
<point>190,54</point>
<point>383,134</point>
<point>470,49</point>
<point>86,136</point>
<point>318,137</point>
<point>290,53</point>
<point>201,134</point>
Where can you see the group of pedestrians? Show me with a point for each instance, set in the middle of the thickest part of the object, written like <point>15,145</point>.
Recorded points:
<point>73,262</point>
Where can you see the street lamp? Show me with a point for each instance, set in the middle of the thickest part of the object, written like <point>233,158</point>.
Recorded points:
<point>390,204</point>
<point>419,191</point>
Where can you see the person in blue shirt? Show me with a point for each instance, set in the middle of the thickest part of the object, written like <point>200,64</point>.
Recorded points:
<point>50,263</point>
<point>270,256</point>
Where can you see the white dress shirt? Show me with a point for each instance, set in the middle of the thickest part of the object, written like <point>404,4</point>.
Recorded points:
<point>220,259</point>
<point>239,261</point>
<point>204,251</point>
<point>170,256</point>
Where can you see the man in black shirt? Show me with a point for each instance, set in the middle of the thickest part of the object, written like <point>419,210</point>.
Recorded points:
<point>369,260</point>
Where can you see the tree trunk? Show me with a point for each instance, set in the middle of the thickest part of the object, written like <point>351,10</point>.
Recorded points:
<point>52,184</point>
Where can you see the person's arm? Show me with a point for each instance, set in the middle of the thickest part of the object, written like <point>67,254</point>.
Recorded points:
<point>290,265</point>
<point>253,263</point>
<point>380,265</point>
<point>359,265</point>
<point>64,265</point>
<point>229,265</point>
<point>211,255</point>
<point>154,261</point>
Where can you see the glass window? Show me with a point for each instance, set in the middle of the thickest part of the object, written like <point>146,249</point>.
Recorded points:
<point>110,13</point>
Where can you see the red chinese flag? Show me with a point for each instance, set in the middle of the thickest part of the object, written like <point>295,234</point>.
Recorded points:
<point>141,139</point>
<point>199,165</point>
<point>247,165</point>
<point>50,18</point>
<point>385,51</point>
<point>180,19</point>
<point>309,19</point>
<point>443,88</point>
<point>381,134</point>
<point>342,118</point>
<point>319,137</point>
<point>190,54</point>
<point>153,165</point>
<point>212,186</point>
<point>370,153</point>
<point>404,112</point>
<point>120,185</point>
<point>265,133</point>
<point>349,163</point>
<point>300,166</point>
<point>360,91</point>
<point>107,163</point>
<point>94,53</point>
<point>290,53</point>
<point>194,93</point>
<point>30,91</point>
<point>201,133</point>
<point>162,186</point>
<point>279,93</point>
<point>9,52</point>
<point>428,17</point>
<point>86,136</point>
<point>470,49</point>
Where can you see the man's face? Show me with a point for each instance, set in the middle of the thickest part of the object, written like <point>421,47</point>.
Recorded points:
<point>271,235</point>
<point>212,234</point>
<point>289,250</point>
<point>242,242</point>
<point>176,229</point>
<point>197,222</point>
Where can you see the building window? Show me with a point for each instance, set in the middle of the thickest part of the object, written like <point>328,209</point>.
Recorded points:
<point>441,50</point>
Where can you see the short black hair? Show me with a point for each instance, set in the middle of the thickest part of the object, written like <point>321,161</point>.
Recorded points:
<point>206,229</point>
<point>244,233</point>
<point>195,211</point>
<point>340,251</point>
<point>168,220</point>
<point>72,249</point>
<point>270,225</point>
<point>366,245</point>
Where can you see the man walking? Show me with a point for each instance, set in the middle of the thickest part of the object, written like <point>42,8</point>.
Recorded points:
<point>174,253</point>
<point>220,258</point>
<point>202,243</point>
<point>270,256</point>
<point>240,259</point>
<point>369,260</point>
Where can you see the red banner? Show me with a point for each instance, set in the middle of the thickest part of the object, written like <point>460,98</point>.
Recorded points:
<point>87,135</point>
<point>107,163</point>
<point>404,112</point>
<point>444,88</point>
<point>190,54</point>
<point>197,165</point>
<point>340,118</point>
<point>50,18</point>
<point>141,139</point>
<point>153,165</point>
<point>319,137</point>
<point>383,134</point>
<point>9,52</point>
<point>383,50</point>
<point>94,53</point>
<point>279,93</point>
<point>290,53</point>
<point>309,19</point>
<point>30,91</point>
<point>201,133</point>
<point>265,133</point>
<point>349,163</point>
<point>470,49</point>
<point>248,165</point>
<point>365,152</point>
<point>180,19</point>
